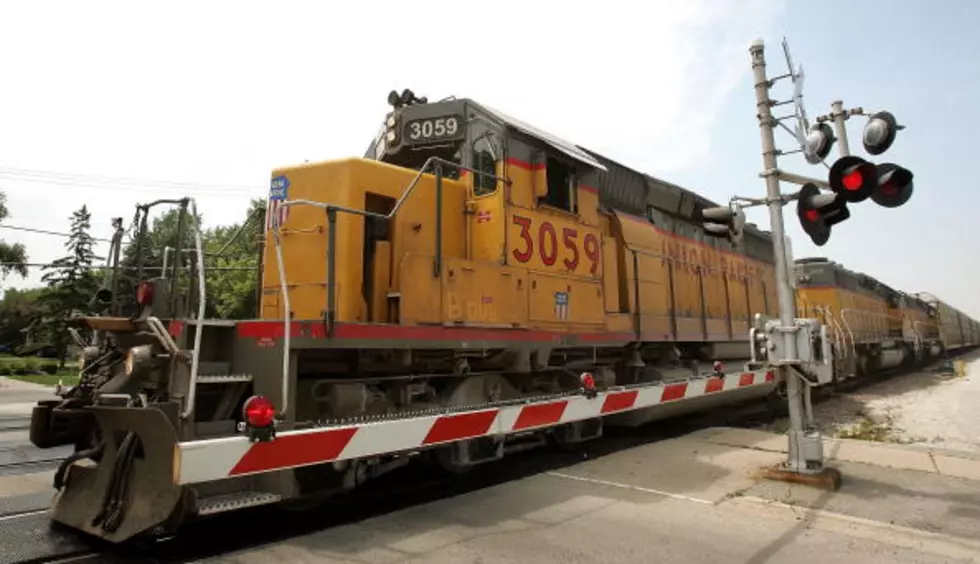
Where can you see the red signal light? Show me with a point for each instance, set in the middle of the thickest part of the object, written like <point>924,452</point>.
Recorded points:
<point>258,412</point>
<point>853,178</point>
<point>894,185</point>
<point>818,212</point>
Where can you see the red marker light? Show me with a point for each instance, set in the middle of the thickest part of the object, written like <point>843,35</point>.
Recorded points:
<point>259,412</point>
<point>811,215</point>
<point>588,381</point>
<point>144,293</point>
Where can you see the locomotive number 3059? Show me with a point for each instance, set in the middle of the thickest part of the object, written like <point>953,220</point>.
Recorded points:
<point>548,247</point>
<point>435,128</point>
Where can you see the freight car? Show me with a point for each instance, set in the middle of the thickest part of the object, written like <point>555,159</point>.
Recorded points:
<point>957,329</point>
<point>472,287</point>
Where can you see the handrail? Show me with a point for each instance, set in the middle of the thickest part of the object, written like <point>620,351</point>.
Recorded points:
<point>201,305</point>
<point>161,332</point>
<point>888,317</point>
<point>241,229</point>
<point>842,335</point>
<point>331,210</point>
<point>847,326</point>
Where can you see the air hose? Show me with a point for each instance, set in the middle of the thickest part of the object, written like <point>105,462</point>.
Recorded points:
<point>59,475</point>
<point>114,502</point>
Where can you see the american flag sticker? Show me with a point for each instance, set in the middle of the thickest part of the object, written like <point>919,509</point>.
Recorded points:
<point>561,305</point>
<point>275,212</point>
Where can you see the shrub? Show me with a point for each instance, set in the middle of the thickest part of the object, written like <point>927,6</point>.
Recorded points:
<point>27,350</point>
<point>50,368</point>
<point>6,369</point>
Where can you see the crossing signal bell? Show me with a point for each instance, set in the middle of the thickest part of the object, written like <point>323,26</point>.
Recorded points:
<point>724,222</point>
<point>819,211</point>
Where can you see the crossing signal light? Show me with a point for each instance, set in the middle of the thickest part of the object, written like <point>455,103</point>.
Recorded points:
<point>853,179</point>
<point>894,185</point>
<point>724,222</point>
<point>818,143</point>
<point>819,211</point>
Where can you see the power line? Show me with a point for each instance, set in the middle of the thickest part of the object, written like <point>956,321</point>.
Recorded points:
<point>104,267</point>
<point>121,183</point>
<point>46,232</point>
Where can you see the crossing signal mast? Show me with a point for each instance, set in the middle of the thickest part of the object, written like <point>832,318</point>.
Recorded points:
<point>799,350</point>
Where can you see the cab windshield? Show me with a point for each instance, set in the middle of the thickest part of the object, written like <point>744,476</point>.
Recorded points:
<point>415,158</point>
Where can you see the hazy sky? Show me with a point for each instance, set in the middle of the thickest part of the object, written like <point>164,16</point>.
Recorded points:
<point>205,98</point>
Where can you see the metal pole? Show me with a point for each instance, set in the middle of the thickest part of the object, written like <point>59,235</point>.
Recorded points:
<point>796,461</point>
<point>838,115</point>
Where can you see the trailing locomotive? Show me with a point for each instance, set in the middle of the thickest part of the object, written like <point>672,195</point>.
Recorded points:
<point>471,287</point>
<point>875,327</point>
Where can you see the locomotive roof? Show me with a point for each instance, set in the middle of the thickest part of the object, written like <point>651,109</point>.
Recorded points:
<point>595,160</point>
<point>570,149</point>
<point>855,280</point>
<point>621,187</point>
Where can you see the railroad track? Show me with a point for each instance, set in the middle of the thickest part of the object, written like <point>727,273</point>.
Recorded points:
<point>400,489</point>
<point>14,424</point>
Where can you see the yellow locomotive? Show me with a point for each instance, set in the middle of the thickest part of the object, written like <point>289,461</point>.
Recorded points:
<point>477,221</point>
<point>471,287</point>
<point>875,327</point>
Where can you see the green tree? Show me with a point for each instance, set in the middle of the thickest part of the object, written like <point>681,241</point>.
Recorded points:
<point>13,257</point>
<point>161,233</point>
<point>232,293</point>
<point>70,281</point>
<point>18,309</point>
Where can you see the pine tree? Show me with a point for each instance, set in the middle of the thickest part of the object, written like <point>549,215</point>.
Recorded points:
<point>70,281</point>
<point>13,258</point>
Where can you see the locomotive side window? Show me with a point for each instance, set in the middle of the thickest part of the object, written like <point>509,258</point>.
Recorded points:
<point>561,185</point>
<point>484,160</point>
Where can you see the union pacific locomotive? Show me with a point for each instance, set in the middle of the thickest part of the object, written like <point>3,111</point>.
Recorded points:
<point>471,287</point>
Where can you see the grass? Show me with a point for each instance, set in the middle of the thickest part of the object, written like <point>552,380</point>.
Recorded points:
<point>868,430</point>
<point>68,377</point>
<point>880,430</point>
<point>43,371</point>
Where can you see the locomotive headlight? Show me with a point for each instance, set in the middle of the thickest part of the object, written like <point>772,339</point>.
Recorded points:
<point>391,121</point>
<point>138,359</point>
<point>390,136</point>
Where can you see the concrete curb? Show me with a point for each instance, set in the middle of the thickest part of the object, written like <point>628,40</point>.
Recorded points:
<point>935,461</point>
<point>14,384</point>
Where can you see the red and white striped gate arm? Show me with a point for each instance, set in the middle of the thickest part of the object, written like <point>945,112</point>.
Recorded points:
<point>229,457</point>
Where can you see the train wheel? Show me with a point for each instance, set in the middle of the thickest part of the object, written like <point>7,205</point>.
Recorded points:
<point>460,457</point>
